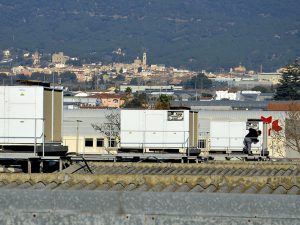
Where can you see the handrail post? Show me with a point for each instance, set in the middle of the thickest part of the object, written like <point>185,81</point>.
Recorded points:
<point>43,137</point>
<point>34,137</point>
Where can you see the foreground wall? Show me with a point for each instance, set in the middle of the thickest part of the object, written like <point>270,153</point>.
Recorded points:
<point>135,208</point>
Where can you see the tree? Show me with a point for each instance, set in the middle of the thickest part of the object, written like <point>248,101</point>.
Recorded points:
<point>128,91</point>
<point>163,102</point>
<point>68,77</point>
<point>44,77</point>
<point>111,127</point>
<point>138,101</point>
<point>120,77</point>
<point>3,76</point>
<point>289,87</point>
<point>134,81</point>
<point>287,139</point>
<point>292,128</point>
<point>261,89</point>
<point>199,81</point>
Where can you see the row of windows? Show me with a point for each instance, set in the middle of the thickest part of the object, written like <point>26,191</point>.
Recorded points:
<point>89,142</point>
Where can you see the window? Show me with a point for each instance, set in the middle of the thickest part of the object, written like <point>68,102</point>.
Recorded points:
<point>202,143</point>
<point>112,143</point>
<point>88,142</point>
<point>100,142</point>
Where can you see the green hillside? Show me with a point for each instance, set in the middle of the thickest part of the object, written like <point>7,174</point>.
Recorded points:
<point>197,34</point>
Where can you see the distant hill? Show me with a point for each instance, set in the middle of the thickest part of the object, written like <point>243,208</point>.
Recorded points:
<point>197,34</point>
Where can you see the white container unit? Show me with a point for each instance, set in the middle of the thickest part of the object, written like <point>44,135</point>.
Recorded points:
<point>229,135</point>
<point>21,114</point>
<point>28,115</point>
<point>157,129</point>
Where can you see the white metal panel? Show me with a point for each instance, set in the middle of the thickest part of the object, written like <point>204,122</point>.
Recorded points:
<point>237,132</point>
<point>22,114</point>
<point>219,135</point>
<point>154,130</point>
<point>151,129</point>
<point>177,134</point>
<point>132,123</point>
<point>3,123</point>
<point>228,135</point>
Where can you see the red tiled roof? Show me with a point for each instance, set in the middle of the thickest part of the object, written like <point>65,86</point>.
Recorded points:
<point>284,106</point>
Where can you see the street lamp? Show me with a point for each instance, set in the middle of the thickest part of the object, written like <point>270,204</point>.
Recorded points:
<point>77,131</point>
<point>77,134</point>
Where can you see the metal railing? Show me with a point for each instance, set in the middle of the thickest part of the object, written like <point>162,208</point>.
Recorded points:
<point>164,143</point>
<point>6,126</point>
<point>229,143</point>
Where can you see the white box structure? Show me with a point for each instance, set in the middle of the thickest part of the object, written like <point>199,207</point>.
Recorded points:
<point>158,129</point>
<point>229,136</point>
<point>28,115</point>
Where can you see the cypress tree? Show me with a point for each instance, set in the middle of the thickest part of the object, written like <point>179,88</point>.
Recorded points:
<point>289,87</point>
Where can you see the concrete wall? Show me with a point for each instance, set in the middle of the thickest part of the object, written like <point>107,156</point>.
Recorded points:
<point>138,208</point>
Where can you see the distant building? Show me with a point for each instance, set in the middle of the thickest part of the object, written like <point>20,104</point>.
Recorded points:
<point>87,140</point>
<point>36,58</point>
<point>26,55</point>
<point>119,51</point>
<point>226,95</point>
<point>240,69</point>
<point>59,58</point>
<point>158,68</point>
<point>248,95</point>
<point>274,78</point>
<point>21,70</point>
<point>136,88</point>
<point>137,62</point>
<point>227,105</point>
<point>108,100</point>
<point>6,54</point>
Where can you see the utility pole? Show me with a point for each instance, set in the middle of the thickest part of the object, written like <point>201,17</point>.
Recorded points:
<point>77,134</point>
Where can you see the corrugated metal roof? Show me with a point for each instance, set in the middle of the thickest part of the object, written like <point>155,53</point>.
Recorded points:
<point>154,183</point>
<point>214,168</point>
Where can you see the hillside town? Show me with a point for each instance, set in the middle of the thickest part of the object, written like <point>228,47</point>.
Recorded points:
<point>149,112</point>
<point>105,85</point>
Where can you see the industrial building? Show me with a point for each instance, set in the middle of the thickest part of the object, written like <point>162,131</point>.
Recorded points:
<point>86,140</point>
<point>81,137</point>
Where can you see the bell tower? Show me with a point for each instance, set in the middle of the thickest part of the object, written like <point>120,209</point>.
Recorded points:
<point>144,59</point>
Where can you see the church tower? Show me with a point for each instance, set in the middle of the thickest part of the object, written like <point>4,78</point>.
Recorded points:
<point>144,59</point>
